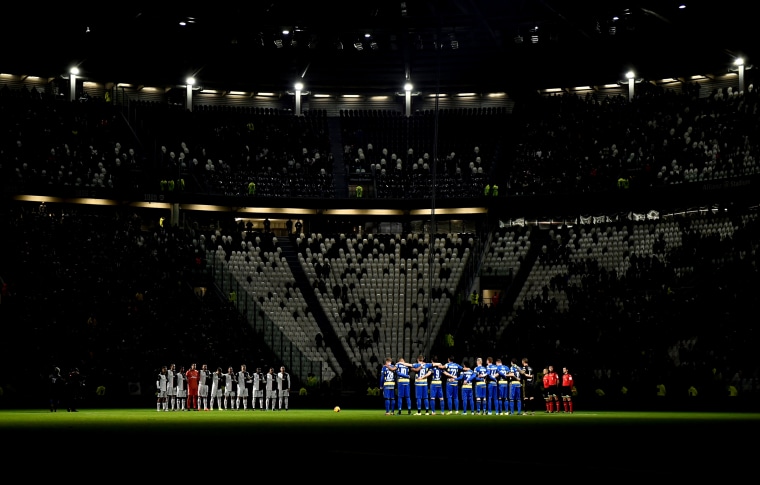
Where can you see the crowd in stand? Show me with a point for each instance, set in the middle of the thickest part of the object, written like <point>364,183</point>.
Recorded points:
<point>559,144</point>
<point>461,151</point>
<point>569,144</point>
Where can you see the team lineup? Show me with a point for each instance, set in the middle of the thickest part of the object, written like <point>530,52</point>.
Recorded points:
<point>494,388</point>
<point>196,390</point>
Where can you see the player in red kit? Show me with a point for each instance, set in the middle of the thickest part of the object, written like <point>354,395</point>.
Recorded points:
<point>567,390</point>
<point>192,376</point>
<point>551,390</point>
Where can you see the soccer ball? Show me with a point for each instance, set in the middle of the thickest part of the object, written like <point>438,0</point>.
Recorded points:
<point>336,409</point>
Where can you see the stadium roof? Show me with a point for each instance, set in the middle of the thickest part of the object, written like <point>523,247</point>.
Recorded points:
<point>451,45</point>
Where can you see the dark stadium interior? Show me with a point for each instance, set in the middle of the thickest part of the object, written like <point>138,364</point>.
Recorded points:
<point>482,45</point>
<point>612,228</point>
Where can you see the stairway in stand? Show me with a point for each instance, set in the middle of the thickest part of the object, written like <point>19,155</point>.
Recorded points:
<point>290,252</point>
<point>340,178</point>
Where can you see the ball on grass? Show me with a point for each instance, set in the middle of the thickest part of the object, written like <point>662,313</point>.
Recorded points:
<point>336,409</point>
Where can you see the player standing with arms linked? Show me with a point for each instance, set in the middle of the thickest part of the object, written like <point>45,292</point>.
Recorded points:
<point>421,391</point>
<point>504,381</point>
<point>467,376</point>
<point>480,386</point>
<point>515,389</point>
<point>403,385</point>
<point>388,384</point>
<point>436,384</point>
<point>452,370</point>
<point>492,390</point>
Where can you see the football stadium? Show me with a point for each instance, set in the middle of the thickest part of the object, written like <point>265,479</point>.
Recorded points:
<point>350,233</point>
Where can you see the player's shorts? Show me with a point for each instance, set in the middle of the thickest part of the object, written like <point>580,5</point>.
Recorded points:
<point>528,391</point>
<point>480,392</point>
<point>229,393</point>
<point>503,391</point>
<point>436,391</point>
<point>567,391</point>
<point>404,391</point>
<point>271,394</point>
<point>285,393</point>
<point>452,389</point>
<point>203,390</point>
<point>421,392</point>
<point>181,393</point>
<point>243,392</point>
<point>389,392</point>
<point>258,393</point>
<point>161,393</point>
<point>171,391</point>
<point>515,392</point>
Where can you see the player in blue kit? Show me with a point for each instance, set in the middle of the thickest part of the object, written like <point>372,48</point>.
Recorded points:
<point>492,382</point>
<point>436,384</point>
<point>503,386</point>
<point>515,388</point>
<point>466,377</point>
<point>480,386</point>
<point>403,391</point>
<point>388,383</point>
<point>422,371</point>
<point>452,371</point>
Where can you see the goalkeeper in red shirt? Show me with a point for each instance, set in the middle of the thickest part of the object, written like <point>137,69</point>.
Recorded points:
<point>193,377</point>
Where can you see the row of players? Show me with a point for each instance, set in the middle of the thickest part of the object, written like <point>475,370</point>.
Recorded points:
<point>493,388</point>
<point>194,389</point>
